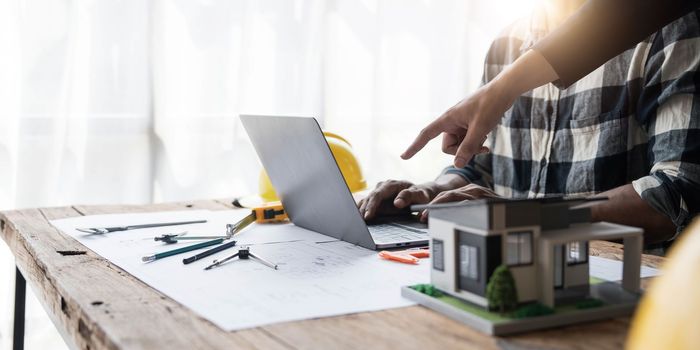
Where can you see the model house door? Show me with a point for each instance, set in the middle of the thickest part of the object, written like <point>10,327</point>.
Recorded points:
<point>559,266</point>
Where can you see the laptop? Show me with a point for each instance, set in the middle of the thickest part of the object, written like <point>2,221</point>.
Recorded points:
<point>309,183</point>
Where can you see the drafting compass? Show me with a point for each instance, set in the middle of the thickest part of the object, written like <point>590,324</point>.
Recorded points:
<point>243,254</point>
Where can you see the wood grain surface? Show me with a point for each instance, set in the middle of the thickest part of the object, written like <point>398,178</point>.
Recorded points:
<point>96,305</point>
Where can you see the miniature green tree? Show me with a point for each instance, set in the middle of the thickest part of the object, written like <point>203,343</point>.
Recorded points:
<point>500,291</point>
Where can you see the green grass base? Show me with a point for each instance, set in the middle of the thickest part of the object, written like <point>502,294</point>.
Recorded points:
<point>495,316</point>
<point>473,309</point>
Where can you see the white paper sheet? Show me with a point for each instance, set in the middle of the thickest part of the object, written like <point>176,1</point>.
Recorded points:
<point>611,270</point>
<point>317,276</point>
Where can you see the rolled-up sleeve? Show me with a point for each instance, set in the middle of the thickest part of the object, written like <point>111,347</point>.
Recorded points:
<point>478,171</point>
<point>669,109</point>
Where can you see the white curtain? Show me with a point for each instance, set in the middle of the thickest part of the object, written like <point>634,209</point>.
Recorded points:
<point>131,101</point>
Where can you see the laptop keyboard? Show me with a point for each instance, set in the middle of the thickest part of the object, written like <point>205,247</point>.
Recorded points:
<point>393,232</point>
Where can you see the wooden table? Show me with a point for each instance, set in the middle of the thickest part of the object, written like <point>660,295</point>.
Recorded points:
<point>96,305</point>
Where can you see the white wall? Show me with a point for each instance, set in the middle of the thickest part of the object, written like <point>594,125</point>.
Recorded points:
<point>445,280</point>
<point>525,276</point>
<point>576,275</point>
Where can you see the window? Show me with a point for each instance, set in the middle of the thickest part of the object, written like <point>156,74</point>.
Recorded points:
<point>438,255</point>
<point>468,256</point>
<point>519,248</point>
<point>577,253</point>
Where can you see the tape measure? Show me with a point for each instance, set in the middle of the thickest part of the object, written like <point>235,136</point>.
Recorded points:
<point>268,212</point>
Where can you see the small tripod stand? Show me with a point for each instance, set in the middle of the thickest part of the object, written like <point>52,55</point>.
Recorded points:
<point>243,254</point>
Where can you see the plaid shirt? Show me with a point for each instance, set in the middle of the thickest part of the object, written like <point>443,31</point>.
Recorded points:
<point>635,119</point>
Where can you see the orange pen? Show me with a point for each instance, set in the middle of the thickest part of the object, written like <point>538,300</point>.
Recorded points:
<point>406,259</point>
<point>418,253</point>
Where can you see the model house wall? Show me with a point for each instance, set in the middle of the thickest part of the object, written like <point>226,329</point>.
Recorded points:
<point>469,242</point>
<point>524,272</point>
<point>443,248</point>
<point>447,273</point>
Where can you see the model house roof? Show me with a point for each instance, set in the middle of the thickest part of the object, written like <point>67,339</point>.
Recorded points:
<point>596,231</point>
<point>549,213</point>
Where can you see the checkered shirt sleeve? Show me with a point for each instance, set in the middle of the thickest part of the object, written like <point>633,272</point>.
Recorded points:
<point>669,107</point>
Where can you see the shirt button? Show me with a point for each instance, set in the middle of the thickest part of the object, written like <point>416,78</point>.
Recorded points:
<point>550,109</point>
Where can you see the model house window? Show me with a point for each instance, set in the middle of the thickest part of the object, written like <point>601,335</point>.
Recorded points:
<point>577,253</point>
<point>438,255</point>
<point>519,248</point>
<point>468,256</point>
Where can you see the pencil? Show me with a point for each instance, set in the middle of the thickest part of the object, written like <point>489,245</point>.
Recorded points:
<point>186,249</point>
<point>209,252</point>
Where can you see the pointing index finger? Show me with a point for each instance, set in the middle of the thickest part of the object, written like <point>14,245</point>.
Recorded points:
<point>428,133</point>
<point>469,147</point>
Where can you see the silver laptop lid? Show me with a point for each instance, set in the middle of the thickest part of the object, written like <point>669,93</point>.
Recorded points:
<point>307,179</point>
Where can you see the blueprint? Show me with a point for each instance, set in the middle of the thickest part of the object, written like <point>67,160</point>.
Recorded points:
<point>318,276</point>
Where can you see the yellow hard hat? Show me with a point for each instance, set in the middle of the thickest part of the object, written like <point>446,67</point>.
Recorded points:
<point>349,166</point>
<point>668,317</point>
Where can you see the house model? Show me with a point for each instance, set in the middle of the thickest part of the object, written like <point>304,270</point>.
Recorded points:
<point>543,243</point>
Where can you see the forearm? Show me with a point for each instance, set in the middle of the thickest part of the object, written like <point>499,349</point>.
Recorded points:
<point>529,71</point>
<point>602,29</point>
<point>624,206</point>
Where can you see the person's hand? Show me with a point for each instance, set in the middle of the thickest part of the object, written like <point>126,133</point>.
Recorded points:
<point>465,193</point>
<point>394,197</point>
<point>465,126</point>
